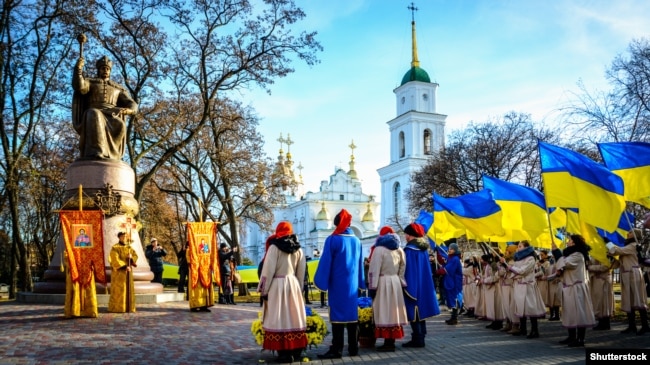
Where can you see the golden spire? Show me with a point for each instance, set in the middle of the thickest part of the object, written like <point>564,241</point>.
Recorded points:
<point>323,215</point>
<point>414,62</point>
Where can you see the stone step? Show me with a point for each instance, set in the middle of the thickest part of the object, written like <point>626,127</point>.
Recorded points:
<point>102,299</point>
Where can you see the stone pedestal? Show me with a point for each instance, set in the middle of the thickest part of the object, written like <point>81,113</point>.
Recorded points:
<point>93,176</point>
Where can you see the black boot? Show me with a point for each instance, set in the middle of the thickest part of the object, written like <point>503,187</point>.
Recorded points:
<point>571,338</point>
<point>631,326</point>
<point>388,346</point>
<point>522,327</point>
<point>222,299</point>
<point>603,324</point>
<point>643,313</point>
<point>580,339</point>
<point>336,350</point>
<point>454,317</point>
<point>534,331</point>
<point>284,357</point>
<point>353,338</point>
<point>232,299</point>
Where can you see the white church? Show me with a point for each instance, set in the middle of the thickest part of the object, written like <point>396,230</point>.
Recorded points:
<point>416,133</point>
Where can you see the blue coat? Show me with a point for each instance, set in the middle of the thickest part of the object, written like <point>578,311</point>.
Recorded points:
<point>453,280</point>
<point>340,273</point>
<point>420,295</point>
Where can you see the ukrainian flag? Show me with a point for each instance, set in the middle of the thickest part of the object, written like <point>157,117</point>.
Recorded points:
<point>523,208</point>
<point>624,226</point>
<point>426,220</point>
<point>478,212</point>
<point>571,180</point>
<point>576,226</point>
<point>445,226</point>
<point>630,161</point>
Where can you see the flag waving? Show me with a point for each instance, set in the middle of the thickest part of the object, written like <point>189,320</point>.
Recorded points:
<point>572,180</point>
<point>478,212</point>
<point>523,208</point>
<point>630,161</point>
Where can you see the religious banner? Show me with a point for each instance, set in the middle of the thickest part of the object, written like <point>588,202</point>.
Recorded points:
<point>202,251</point>
<point>84,245</point>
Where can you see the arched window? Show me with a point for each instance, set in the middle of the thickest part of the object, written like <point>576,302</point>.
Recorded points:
<point>402,147</point>
<point>397,198</point>
<point>427,142</point>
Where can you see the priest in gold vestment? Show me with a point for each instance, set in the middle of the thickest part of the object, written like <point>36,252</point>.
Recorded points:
<point>80,295</point>
<point>122,260</point>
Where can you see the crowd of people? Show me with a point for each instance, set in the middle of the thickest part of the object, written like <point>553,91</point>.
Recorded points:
<point>512,290</point>
<point>407,279</point>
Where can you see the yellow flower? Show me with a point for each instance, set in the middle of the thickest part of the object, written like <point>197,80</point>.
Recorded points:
<point>316,329</point>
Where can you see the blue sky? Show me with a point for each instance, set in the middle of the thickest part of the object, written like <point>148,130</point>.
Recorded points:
<point>489,57</point>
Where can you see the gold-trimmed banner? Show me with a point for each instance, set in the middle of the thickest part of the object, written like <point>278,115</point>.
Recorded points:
<point>84,244</point>
<point>202,254</point>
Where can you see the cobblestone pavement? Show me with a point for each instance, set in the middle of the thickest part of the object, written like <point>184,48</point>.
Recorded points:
<point>168,333</point>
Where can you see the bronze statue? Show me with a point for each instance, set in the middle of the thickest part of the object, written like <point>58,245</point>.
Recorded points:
<point>99,109</point>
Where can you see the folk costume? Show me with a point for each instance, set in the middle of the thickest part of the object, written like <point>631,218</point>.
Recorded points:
<point>576,299</point>
<point>281,282</point>
<point>122,260</point>
<point>340,273</point>
<point>528,300</point>
<point>385,284</point>
<point>602,291</point>
<point>470,290</point>
<point>453,282</point>
<point>420,295</point>
<point>633,293</point>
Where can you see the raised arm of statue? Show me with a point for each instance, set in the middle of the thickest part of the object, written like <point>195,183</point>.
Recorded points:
<point>99,107</point>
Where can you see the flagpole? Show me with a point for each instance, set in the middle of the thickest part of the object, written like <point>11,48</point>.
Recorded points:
<point>631,226</point>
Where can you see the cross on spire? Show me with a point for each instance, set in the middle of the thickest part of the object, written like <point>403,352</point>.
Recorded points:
<point>413,9</point>
<point>282,141</point>
<point>289,142</point>
<point>352,147</point>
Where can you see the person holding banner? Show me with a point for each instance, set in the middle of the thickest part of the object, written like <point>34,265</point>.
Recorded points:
<point>122,260</point>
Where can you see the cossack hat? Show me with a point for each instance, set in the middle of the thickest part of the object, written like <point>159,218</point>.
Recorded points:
<point>386,230</point>
<point>283,229</point>
<point>415,230</point>
<point>342,221</point>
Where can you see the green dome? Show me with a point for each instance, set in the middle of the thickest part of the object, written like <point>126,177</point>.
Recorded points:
<point>415,74</point>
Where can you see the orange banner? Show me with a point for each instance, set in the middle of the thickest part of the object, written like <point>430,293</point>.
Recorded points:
<point>202,255</point>
<point>84,244</point>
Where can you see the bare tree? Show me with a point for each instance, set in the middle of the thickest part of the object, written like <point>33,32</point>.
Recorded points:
<point>505,148</point>
<point>33,48</point>
<point>622,113</point>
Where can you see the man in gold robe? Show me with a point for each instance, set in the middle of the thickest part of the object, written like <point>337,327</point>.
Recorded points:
<point>122,260</point>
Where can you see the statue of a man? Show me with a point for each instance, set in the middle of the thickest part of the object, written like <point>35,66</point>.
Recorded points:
<point>99,109</point>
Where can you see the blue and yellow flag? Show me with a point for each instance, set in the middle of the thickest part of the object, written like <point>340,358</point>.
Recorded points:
<point>630,161</point>
<point>478,212</point>
<point>426,220</point>
<point>576,226</point>
<point>445,225</point>
<point>571,180</point>
<point>619,236</point>
<point>524,210</point>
